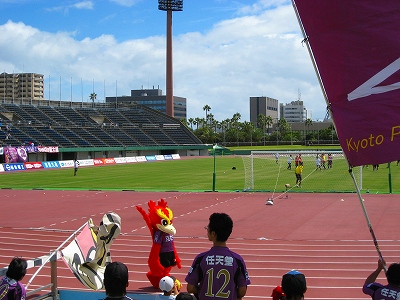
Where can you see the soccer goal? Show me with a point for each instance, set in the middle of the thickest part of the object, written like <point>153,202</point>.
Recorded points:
<point>324,171</point>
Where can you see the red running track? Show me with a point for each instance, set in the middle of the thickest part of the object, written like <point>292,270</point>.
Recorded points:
<point>323,235</point>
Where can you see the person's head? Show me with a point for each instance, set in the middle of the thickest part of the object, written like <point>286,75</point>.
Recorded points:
<point>393,274</point>
<point>116,279</point>
<point>17,268</point>
<point>184,296</point>
<point>177,285</point>
<point>167,285</point>
<point>294,285</point>
<point>222,225</point>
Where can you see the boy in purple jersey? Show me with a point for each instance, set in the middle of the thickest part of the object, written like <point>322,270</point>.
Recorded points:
<point>10,286</point>
<point>116,280</point>
<point>380,291</point>
<point>218,272</point>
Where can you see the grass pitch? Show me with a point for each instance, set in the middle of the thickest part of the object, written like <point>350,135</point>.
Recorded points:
<point>196,174</point>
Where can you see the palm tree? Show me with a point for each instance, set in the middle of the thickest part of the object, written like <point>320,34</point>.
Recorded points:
<point>248,128</point>
<point>210,118</point>
<point>197,122</point>
<point>224,126</point>
<point>268,122</point>
<point>191,122</point>
<point>206,108</point>
<point>261,120</point>
<point>283,126</point>
<point>93,96</point>
<point>235,122</point>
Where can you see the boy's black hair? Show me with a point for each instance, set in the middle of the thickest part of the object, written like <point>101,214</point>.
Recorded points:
<point>184,296</point>
<point>294,284</point>
<point>222,225</point>
<point>393,274</point>
<point>116,279</point>
<point>17,268</point>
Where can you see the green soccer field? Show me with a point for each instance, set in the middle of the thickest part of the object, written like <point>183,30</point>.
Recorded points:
<point>196,174</point>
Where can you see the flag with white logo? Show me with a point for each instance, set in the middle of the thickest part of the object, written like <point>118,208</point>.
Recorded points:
<point>355,48</point>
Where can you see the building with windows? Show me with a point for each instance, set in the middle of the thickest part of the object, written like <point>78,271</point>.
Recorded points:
<point>154,99</point>
<point>20,86</point>
<point>294,112</point>
<point>263,106</point>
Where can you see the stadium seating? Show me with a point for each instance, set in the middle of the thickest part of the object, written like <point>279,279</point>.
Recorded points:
<point>75,125</point>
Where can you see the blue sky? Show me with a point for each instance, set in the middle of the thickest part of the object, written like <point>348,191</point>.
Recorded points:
<point>225,51</point>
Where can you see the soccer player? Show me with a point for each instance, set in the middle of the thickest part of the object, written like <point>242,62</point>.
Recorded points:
<point>298,172</point>
<point>76,166</point>
<point>218,272</point>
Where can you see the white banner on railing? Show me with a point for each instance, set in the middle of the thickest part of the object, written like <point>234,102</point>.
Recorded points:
<point>120,160</point>
<point>131,159</point>
<point>66,163</point>
<point>86,162</point>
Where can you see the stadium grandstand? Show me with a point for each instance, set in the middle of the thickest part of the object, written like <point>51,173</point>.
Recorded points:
<point>93,130</point>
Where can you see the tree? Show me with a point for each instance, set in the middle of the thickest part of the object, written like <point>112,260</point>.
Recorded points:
<point>224,126</point>
<point>197,122</point>
<point>93,96</point>
<point>191,122</point>
<point>210,119</point>
<point>206,108</point>
<point>248,130</point>
<point>236,125</point>
<point>268,122</point>
<point>307,123</point>
<point>262,123</point>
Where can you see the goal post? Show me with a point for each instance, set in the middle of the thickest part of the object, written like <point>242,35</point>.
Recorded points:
<point>270,171</point>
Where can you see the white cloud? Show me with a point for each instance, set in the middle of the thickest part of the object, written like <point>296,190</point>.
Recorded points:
<point>78,5</point>
<point>256,55</point>
<point>127,3</point>
<point>83,5</point>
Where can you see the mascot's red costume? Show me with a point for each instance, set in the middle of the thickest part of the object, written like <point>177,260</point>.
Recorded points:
<point>163,255</point>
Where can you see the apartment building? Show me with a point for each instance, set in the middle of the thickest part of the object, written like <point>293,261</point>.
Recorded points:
<point>20,86</point>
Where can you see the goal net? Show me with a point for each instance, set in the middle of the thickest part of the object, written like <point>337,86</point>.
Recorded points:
<point>323,171</point>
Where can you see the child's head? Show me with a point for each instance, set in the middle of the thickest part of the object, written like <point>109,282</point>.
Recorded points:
<point>184,296</point>
<point>393,274</point>
<point>294,284</point>
<point>222,225</point>
<point>177,285</point>
<point>167,285</point>
<point>17,268</point>
<point>116,279</point>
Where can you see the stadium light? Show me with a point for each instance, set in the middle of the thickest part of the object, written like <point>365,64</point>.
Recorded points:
<point>169,6</point>
<point>174,5</point>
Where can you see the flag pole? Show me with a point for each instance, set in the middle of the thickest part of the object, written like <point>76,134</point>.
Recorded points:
<point>53,253</point>
<point>367,218</point>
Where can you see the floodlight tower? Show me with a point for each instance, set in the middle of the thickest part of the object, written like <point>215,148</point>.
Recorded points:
<point>169,6</point>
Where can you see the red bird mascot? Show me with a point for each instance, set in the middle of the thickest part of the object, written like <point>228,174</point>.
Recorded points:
<point>163,255</point>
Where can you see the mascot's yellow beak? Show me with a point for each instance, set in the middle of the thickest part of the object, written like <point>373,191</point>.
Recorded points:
<point>167,229</point>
